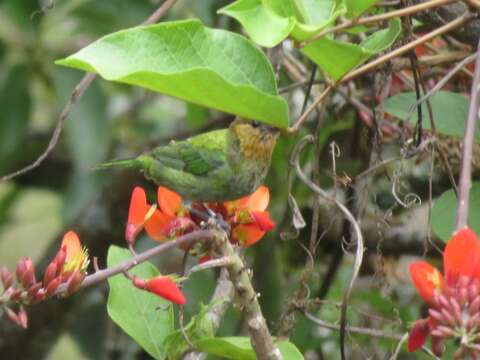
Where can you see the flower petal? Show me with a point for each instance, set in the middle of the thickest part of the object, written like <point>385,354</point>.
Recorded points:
<point>262,219</point>
<point>418,334</point>
<point>247,234</point>
<point>462,255</point>
<point>166,288</point>
<point>138,207</point>
<point>259,200</point>
<point>168,200</point>
<point>157,224</point>
<point>426,279</point>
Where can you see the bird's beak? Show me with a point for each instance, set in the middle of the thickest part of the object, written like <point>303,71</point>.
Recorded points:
<point>270,129</point>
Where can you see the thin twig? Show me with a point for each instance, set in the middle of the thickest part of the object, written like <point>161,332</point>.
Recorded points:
<point>301,120</point>
<point>465,181</point>
<point>381,17</point>
<point>76,94</point>
<point>355,226</point>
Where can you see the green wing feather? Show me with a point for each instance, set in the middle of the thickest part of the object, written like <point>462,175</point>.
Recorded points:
<point>198,155</point>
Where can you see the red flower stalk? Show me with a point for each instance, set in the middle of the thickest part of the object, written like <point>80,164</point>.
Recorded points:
<point>453,299</point>
<point>163,286</point>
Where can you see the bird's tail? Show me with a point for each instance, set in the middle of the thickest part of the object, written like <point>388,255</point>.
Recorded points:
<point>121,164</point>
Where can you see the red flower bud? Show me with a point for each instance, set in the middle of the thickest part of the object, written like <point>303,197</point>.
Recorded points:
<point>50,273</point>
<point>39,296</point>
<point>52,286</point>
<point>26,272</point>
<point>16,294</point>
<point>139,283</point>
<point>6,277</point>
<point>22,318</point>
<point>75,281</point>
<point>12,316</point>
<point>60,258</point>
<point>33,290</point>
<point>166,288</point>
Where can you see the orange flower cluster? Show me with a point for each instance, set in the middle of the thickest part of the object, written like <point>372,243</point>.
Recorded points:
<point>453,299</point>
<point>247,216</point>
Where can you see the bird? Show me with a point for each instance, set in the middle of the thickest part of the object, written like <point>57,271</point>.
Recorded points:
<point>215,166</point>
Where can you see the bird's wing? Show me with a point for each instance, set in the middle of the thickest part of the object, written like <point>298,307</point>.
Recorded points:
<point>198,155</point>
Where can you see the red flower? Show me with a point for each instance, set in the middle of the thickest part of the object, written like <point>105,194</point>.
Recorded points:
<point>248,216</point>
<point>453,300</point>
<point>76,256</point>
<point>171,219</point>
<point>163,286</point>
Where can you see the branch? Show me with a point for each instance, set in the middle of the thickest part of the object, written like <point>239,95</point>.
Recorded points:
<point>102,275</point>
<point>381,17</point>
<point>76,94</point>
<point>465,181</point>
<point>262,342</point>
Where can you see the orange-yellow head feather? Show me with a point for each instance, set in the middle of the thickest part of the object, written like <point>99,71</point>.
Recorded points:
<point>256,140</point>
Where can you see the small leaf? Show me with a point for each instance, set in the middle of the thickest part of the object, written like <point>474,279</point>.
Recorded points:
<point>355,8</point>
<point>208,67</point>
<point>450,111</point>
<point>240,348</point>
<point>338,58</point>
<point>445,208</point>
<point>144,316</point>
<point>264,26</point>
<point>315,16</point>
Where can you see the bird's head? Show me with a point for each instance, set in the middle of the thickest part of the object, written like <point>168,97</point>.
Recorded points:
<point>256,139</point>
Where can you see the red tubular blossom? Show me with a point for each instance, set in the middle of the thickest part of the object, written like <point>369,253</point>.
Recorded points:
<point>76,257</point>
<point>75,281</point>
<point>166,288</point>
<point>169,201</point>
<point>136,214</point>
<point>52,286</point>
<point>262,219</point>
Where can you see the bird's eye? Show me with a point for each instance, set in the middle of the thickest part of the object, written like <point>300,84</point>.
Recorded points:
<point>255,124</point>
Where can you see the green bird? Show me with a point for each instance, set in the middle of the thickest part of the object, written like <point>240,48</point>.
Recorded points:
<point>215,166</point>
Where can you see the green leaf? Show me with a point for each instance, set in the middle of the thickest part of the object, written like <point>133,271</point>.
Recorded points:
<point>356,8</point>
<point>264,26</point>
<point>147,318</point>
<point>445,208</point>
<point>314,16</point>
<point>209,67</point>
<point>198,328</point>
<point>239,348</point>
<point>338,58</point>
<point>450,112</point>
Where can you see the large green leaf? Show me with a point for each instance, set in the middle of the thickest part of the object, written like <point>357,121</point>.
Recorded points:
<point>213,68</point>
<point>338,58</point>
<point>356,7</point>
<point>145,317</point>
<point>239,348</point>
<point>263,25</point>
<point>450,112</point>
<point>445,209</point>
